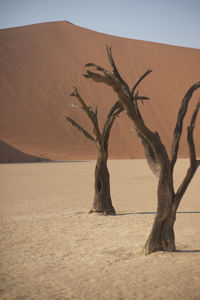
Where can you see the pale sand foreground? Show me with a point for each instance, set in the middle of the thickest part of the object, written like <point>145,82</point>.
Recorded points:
<point>52,249</point>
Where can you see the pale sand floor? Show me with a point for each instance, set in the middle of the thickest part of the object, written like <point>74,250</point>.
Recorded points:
<point>50,248</point>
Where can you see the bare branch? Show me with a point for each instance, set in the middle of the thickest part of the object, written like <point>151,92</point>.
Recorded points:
<point>135,103</point>
<point>90,113</point>
<point>179,125</point>
<point>106,78</point>
<point>115,71</point>
<point>121,80</point>
<point>100,69</point>
<point>114,112</point>
<point>190,134</point>
<point>140,79</point>
<point>75,124</point>
<point>87,109</point>
<point>112,63</point>
<point>112,79</point>
<point>142,98</point>
<point>194,163</point>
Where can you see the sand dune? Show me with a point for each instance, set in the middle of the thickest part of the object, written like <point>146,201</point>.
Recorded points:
<point>39,65</point>
<point>51,248</point>
<point>9,154</point>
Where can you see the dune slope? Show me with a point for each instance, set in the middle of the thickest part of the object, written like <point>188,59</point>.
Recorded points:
<point>9,154</point>
<point>40,64</point>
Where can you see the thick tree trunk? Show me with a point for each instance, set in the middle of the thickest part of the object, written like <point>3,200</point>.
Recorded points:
<point>102,199</point>
<point>162,234</point>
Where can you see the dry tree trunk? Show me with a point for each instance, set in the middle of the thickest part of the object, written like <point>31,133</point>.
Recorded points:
<point>102,198</point>
<point>162,234</point>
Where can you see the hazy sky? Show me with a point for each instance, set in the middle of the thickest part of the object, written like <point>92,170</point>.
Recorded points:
<point>175,22</point>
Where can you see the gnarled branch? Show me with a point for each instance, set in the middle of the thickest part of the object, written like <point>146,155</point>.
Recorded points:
<point>190,134</point>
<point>194,163</point>
<point>100,69</point>
<point>179,125</point>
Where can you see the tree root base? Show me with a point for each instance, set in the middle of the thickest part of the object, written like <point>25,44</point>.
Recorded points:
<point>148,249</point>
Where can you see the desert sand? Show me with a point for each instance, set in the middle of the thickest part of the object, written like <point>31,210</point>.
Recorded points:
<point>51,248</point>
<point>41,63</point>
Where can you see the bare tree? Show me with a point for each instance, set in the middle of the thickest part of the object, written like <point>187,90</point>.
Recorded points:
<point>102,199</point>
<point>162,233</point>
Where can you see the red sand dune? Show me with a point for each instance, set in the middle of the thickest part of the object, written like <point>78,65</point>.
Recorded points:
<point>40,64</point>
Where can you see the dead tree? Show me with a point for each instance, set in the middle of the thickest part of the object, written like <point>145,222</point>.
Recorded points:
<point>162,234</point>
<point>102,199</point>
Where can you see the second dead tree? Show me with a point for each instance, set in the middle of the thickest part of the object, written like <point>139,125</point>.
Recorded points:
<point>102,198</point>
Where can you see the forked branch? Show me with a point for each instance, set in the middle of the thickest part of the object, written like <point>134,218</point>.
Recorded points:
<point>114,112</point>
<point>101,138</point>
<point>114,68</point>
<point>92,115</point>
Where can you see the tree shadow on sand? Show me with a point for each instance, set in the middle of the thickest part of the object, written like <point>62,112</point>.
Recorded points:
<point>153,213</point>
<point>187,251</point>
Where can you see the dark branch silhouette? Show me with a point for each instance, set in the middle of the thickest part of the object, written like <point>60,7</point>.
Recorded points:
<point>179,125</point>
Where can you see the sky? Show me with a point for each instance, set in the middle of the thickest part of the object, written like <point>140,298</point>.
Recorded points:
<point>174,22</point>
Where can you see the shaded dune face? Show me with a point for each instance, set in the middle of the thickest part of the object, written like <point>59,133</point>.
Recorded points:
<point>41,63</point>
<point>9,154</point>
